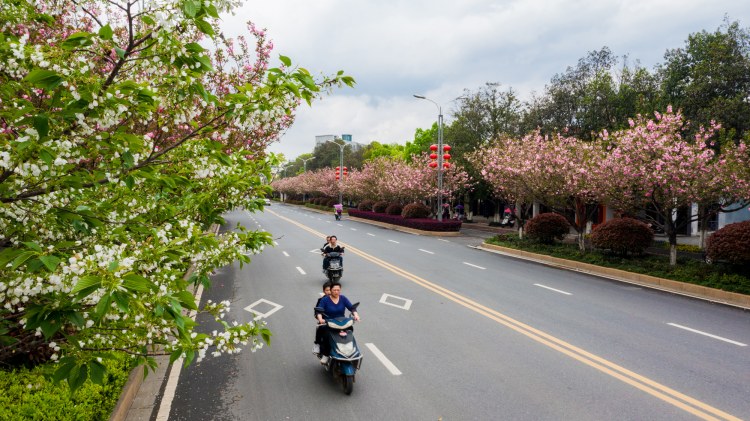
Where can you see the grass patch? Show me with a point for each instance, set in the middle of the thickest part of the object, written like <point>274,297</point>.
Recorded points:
<point>720,276</point>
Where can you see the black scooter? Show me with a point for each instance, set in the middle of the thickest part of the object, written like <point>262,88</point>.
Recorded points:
<point>335,266</point>
<point>345,358</point>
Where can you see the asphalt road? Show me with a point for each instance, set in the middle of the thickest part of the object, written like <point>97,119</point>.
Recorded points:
<point>463,335</point>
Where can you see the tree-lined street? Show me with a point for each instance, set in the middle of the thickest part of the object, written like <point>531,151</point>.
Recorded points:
<point>473,335</point>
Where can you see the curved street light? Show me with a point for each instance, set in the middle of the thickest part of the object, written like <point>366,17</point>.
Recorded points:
<point>439,158</point>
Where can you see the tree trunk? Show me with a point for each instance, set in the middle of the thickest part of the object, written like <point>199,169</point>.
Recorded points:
<point>672,235</point>
<point>581,241</point>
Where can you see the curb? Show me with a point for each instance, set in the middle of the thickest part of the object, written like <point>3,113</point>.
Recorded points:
<point>136,378</point>
<point>676,287</point>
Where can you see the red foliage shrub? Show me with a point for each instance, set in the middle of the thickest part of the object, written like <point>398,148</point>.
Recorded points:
<point>415,210</point>
<point>365,205</point>
<point>730,244</point>
<point>394,209</point>
<point>424,224</point>
<point>547,227</point>
<point>623,236</point>
<point>379,207</point>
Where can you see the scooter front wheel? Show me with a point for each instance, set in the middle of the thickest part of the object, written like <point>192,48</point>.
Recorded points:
<point>348,384</point>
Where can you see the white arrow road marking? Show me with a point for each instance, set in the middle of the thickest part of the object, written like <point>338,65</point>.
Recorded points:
<point>474,266</point>
<point>285,253</point>
<point>383,359</point>
<point>552,289</point>
<point>426,251</point>
<point>394,241</point>
<point>301,271</point>
<point>707,334</point>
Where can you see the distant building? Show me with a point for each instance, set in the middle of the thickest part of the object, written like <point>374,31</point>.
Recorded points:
<point>347,138</point>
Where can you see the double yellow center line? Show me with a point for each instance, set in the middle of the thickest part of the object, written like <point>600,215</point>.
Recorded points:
<point>680,400</point>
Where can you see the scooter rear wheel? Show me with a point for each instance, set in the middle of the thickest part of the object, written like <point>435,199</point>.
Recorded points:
<point>348,384</point>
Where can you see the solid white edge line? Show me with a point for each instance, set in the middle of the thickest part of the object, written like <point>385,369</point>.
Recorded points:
<point>165,406</point>
<point>552,289</point>
<point>706,334</point>
<point>426,251</point>
<point>301,271</point>
<point>474,266</point>
<point>383,359</point>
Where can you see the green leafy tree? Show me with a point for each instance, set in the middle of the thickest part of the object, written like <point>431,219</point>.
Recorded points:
<point>709,79</point>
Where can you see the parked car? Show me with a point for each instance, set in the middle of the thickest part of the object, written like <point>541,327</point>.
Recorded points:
<point>268,202</point>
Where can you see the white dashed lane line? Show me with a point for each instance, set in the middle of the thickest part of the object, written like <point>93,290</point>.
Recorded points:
<point>552,289</point>
<point>474,266</point>
<point>706,334</point>
<point>383,359</point>
<point>371,235</point>
<point>394,241</point>
<point>285,253</point>
<point>426,251</point>
<point>301,271</point>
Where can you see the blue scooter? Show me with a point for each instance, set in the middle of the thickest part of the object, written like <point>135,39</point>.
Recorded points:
<point>345,358</point>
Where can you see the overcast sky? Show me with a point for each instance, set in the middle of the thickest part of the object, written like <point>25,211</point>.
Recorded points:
<point>438,48</point>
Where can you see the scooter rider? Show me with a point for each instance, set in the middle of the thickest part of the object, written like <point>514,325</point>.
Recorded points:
<point>334,305</point>
<point>332,246</point>
<point>320,330</point>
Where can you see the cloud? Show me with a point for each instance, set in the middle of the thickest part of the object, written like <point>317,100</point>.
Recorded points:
<point>439,48</point>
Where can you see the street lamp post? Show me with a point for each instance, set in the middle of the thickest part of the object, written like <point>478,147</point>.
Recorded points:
<point>341,167</point>
<point>304,164</point>
<point>440,157</point>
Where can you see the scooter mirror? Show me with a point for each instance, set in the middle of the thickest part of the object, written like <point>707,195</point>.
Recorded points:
<point>355,305</point>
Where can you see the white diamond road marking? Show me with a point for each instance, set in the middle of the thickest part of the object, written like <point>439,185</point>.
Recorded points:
<point>707,334</point>
<point>552,289</point>
<point>259,315</point>
<point>426,251</point>
<point>301,271</point>
<point>405,306</point>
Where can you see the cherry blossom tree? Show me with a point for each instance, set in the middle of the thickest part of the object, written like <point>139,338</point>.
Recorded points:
<point>650,168</point>
<point>126,129</point>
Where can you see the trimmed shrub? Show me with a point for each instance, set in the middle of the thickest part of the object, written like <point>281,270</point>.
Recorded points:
<point>415,210</point>
<point>394,209</point>
<point>366,205</point>
<point>730,244</point>
<point>424,224</point>
<point>547,227</point>
<point>379,207</point>
<point>330,202</point>
<point>623,236</point>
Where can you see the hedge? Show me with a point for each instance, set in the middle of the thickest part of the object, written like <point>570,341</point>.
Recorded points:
<point>28,395</point>
<point>425,224</point>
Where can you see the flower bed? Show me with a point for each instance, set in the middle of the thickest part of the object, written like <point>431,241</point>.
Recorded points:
<point>425,224</point>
